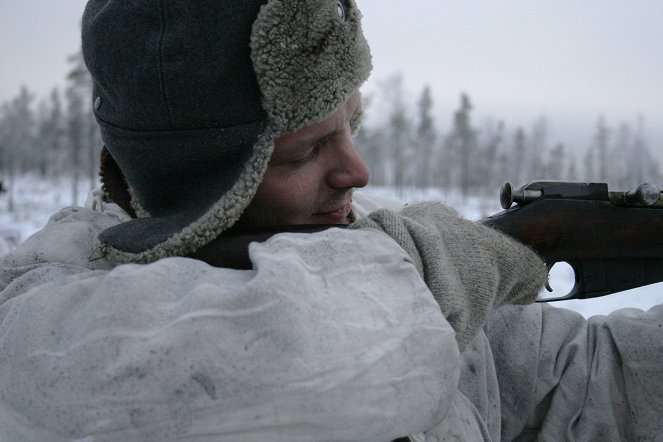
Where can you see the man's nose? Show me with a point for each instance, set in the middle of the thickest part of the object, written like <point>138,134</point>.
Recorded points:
<point>347,167</point>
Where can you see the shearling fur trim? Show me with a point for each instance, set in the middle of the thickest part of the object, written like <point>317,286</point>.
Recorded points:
<point>219,217</point>
<point>309,57</point>
<point>135,204</point>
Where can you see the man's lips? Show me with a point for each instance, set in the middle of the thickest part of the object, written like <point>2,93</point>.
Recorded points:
<point>335,216</point>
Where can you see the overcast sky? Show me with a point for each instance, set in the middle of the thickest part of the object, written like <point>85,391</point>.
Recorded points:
<point>569,60</point>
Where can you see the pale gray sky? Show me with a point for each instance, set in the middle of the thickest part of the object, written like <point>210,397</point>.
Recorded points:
<point>569,60</point>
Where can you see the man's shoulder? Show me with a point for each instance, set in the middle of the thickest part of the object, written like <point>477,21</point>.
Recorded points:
<point>69,237</point>
<point>98,201</point>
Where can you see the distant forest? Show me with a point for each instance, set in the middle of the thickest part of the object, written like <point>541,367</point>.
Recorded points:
<point>56,136</point>
<point>405,148</point>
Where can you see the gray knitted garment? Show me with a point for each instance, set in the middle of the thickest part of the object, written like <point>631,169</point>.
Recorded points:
<point>470,269</point>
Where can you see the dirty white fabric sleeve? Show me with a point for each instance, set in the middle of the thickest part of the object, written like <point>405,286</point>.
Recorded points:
<point>563,377</point>
<point>333,336</point>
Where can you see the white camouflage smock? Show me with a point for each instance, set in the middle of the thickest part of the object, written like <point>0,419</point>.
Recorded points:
<point>332,336</point>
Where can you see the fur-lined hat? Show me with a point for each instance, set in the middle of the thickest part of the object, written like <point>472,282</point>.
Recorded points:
<point>190,96</point>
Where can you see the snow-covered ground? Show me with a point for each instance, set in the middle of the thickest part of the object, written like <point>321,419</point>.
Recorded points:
<point>36,200</point>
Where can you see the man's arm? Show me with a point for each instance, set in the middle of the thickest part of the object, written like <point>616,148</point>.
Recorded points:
<point>564,377</point>
<point>317,343</point>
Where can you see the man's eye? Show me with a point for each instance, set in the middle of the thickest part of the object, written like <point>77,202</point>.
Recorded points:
<point>311,154</point>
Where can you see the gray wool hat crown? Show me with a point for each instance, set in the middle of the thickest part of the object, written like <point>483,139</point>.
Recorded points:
<point>190,96</point>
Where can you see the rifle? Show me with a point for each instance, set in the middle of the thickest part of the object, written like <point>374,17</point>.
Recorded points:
<point>613,241</point>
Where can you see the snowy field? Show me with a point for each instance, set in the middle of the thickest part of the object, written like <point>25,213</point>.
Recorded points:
<point>35,200</point>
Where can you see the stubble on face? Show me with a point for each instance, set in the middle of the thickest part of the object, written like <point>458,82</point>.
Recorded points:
<point>266,217</point>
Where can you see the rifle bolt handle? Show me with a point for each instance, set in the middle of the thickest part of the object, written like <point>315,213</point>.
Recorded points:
<point>506,195</point>
<point>522,196</point>
<point>646,194</point>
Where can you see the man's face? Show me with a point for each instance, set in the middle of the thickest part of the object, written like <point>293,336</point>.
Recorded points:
<point>311,174</point>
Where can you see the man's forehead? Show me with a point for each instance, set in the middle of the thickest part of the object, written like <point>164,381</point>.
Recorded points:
<point>327,126</point>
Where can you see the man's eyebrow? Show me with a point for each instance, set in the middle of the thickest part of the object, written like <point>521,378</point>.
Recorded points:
<point>351,115</point>
<point>305,144</point>
<point>322,138</point>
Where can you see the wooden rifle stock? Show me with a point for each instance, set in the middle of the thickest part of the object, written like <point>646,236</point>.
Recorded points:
<point>612,240</point>
<point>231,248</point>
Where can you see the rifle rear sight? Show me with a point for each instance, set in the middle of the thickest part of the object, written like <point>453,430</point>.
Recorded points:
<point>646,194</point>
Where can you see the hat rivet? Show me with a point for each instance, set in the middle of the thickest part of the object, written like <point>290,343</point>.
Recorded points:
<point>340,9</point>
<point>97,103</point>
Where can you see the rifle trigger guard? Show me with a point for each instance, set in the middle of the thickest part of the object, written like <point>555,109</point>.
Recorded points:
<point>547,286</point>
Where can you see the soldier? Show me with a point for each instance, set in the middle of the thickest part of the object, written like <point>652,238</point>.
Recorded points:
<point>411,323</point>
